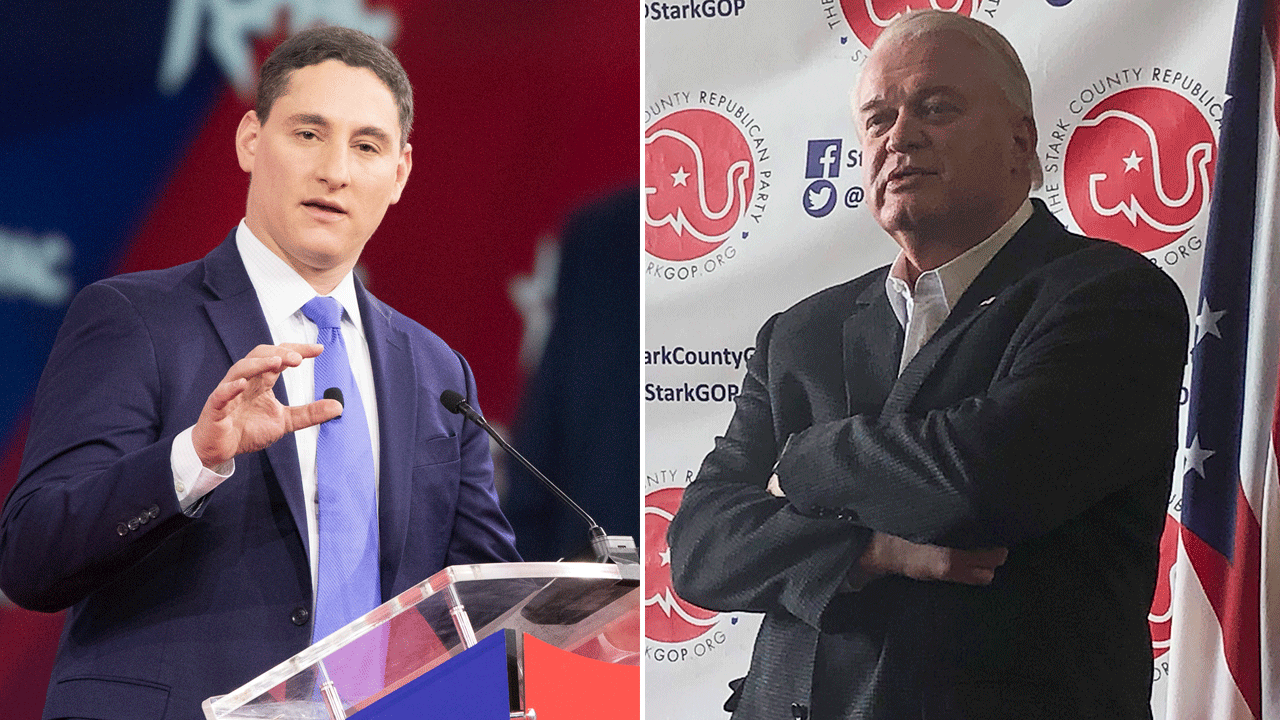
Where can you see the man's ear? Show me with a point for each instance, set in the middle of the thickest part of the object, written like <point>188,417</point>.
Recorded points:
<point>1025,138</point>
<point>247,140</point>
<point>402,171</point>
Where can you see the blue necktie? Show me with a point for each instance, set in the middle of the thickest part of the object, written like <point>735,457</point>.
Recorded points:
<point>347,583</point>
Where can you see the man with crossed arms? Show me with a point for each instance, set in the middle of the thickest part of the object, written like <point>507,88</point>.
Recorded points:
<point>945,481</point>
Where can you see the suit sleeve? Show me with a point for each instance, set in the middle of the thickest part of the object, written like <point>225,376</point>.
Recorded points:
<point>1086,406</point>
<point>481,532</point>
<point>736,547</point>
<point>95,490</point>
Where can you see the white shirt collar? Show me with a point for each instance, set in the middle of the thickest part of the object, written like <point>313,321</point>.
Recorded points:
<point>949,281</point>
<point>281,290</point>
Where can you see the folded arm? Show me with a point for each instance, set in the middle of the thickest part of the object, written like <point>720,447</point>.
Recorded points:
<point>1083,403</point>
<point>734,546</point>
<point>1087,404</point>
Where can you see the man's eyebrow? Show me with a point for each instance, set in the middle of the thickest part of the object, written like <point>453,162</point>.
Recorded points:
<point>871,104</point>
<point>933,90</point>
<point>374,132</point>
<point>370,131</point>
<point>923,92</point>
<point>308,119</point>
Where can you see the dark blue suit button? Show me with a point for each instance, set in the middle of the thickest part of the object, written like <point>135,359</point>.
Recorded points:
<point>134,523</point>
<point>122,529</point>
<point>300,616</point>
<point>153,512</point>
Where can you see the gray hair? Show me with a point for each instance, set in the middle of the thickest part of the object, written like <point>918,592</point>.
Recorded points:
<point>1009,73</point>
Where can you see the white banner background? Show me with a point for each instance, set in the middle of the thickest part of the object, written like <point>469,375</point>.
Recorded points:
<point>780,72</point>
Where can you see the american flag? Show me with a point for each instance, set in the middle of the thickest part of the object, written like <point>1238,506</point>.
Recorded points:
<point>1223,659</point>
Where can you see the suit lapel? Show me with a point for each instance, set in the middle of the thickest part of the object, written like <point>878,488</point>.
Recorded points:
<point>1024,252</point>
<point>872,350</point>
<point>393,381</point>
<point>236,316</point>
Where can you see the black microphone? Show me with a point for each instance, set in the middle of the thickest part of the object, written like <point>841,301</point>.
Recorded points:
<point>334,393</point>
<point>619,549</point>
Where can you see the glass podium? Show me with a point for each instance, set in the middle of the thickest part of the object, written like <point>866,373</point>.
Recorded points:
<point>590,611</point>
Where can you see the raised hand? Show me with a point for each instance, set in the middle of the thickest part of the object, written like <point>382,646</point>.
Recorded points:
<point>243,415</point>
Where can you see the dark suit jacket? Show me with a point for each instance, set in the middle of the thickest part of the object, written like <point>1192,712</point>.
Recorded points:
<point>182,608</point>
<point>1041,417</point>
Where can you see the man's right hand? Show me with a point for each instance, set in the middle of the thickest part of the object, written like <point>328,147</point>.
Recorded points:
<point>243,415</point>
<point>892,555</point>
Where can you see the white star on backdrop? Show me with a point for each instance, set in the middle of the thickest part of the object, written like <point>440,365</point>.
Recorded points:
<point>1133,162</point>
<point>1195,456</point>
<point>534,296</point>
<point>1207,322</point>
<point>665,557</point>
<point>679,177</point>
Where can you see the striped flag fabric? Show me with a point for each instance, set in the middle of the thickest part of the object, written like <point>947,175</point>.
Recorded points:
<point>1223,652</point>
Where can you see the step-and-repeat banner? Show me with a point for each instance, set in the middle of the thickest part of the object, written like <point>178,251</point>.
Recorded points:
<point>754,200</point>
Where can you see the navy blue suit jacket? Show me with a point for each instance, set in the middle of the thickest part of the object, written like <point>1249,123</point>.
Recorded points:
<point>170,609</point>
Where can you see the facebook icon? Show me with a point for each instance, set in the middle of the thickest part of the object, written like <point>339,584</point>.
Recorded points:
<point>824,159</point>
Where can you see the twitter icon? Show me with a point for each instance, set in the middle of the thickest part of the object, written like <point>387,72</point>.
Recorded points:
<point>819,198</point>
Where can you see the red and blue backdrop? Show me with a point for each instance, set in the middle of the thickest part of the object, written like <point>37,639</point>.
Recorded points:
<point>116,155</point>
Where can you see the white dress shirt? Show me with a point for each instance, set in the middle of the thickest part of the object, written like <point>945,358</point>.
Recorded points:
<point>282,292</point>
<point>921,310</point>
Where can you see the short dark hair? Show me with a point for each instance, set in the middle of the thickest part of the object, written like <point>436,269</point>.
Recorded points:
<point>329,42</point>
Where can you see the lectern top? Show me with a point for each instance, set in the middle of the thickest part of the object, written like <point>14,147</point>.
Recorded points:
<point>591,609</point>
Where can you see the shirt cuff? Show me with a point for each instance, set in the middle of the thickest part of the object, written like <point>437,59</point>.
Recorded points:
<point>191,479</point>
<point>786,445</point>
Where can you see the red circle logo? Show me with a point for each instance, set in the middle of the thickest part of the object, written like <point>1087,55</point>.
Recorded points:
<point>667,618</point>
<point>868,18</point>
<point>699,177</point>
<point>1138,168</point>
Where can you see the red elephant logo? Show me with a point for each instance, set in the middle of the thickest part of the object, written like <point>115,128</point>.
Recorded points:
<point>1138,168</point>
<point>699,177</point>
<point>667,617</point>
<point>868,18</point>
<point>1161,615</point>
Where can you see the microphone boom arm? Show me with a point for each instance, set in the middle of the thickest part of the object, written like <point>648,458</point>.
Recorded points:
<point>600,544</point>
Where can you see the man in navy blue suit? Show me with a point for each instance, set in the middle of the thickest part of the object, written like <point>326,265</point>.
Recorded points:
<point>168,489</point>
